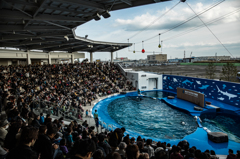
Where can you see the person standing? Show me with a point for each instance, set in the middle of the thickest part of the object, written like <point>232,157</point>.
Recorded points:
<point>95,115</point>
<point>97,123</point>
<point>86,113</point>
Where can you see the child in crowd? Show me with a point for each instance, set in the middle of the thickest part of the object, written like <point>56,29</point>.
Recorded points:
<point>63,146</point>
<point>86,113</point>
<point>41,121</point>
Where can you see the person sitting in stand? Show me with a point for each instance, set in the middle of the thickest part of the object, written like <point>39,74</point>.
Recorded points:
<point>24,151</point>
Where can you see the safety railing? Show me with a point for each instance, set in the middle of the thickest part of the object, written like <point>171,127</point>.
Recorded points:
<point>47,107</point>
<point>106,126</point>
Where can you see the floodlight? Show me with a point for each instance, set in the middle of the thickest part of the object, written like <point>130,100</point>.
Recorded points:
<point>106,14</point>
<point>97,17</point>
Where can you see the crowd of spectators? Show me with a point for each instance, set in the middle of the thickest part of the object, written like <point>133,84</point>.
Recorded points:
<point>27,135</point>
<point>67,87</point>
<point>55,140</point>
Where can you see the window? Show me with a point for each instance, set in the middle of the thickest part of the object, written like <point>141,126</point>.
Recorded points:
<point>144,87</point>
<point>143,75</point>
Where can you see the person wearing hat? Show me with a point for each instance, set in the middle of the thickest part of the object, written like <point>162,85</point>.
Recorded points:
<point>3,130</point>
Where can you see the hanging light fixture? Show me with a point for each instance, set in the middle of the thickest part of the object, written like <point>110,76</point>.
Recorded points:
<point>159,46</point>
<point>143,51</point>
<point>134,48</point>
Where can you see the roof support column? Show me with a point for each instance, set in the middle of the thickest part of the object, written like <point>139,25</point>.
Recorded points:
<point>91,57</point>
<point>28,58</point>
<point>49,58</point>
<point>72,58</point>
<point>111,56</point>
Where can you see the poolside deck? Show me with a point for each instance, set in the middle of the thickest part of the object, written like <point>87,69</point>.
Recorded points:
<point>183,105</point>
<point>189,107</point>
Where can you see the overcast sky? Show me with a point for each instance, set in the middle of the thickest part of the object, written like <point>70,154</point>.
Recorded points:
<point>124,24</point>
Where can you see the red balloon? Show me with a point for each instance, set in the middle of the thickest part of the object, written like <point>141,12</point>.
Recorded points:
<point>143,51</point>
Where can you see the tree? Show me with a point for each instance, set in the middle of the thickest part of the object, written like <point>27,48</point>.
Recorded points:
<point>229,72</point>
<point>210,70</point>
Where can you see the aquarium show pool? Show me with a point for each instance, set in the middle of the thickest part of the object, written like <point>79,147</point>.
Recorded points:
<point>155,116</point>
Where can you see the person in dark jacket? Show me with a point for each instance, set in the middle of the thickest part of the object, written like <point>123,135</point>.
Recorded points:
<point>116,137</point>
<point>44,145</point>
<point>24,151</point>
<point>35,122</point>
<point>83,149</point>
<point>231,155</point>
<point>103,144</point>
<point>190,154</point>
<point>11,140</point>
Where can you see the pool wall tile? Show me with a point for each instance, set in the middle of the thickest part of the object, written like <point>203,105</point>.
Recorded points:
<point>226,92</point>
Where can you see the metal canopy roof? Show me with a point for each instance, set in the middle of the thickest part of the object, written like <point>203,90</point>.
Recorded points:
<point>49,25</point>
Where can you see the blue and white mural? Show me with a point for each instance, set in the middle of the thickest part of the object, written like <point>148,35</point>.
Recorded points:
<point>226,92</point>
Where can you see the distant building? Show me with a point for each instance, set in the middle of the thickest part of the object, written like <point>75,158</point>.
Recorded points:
<point>121,59</point>
<point>142,61</point>
<point>211,58</point>
<point>175,60</point>
<point>187,60</point>
<point>157,58</point>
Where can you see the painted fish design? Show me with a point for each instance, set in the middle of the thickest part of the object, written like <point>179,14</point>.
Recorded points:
<point>187,81</point>
<point>227,94</point>
<point>204,87</point>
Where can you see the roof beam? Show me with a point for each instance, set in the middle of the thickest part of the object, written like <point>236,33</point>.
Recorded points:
<point>8,14</point>
<point>129,2</point>
<point>58,18</point>
<point>17,37</point>
<point>58,25</point>
<point>23,3</point>
<point>31,28</point>
<point>66,47</point>
<point>28,42</point>
<point>103,49</point>
<point>40,6</point>
<point>17,8</point>
<point>66,10</point>
<point>89,4</point>
<point>134,4</point>
<point>36,12</point>
<point>53,45</point>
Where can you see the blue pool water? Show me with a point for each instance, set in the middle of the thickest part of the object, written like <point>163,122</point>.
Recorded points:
<point>158,94</point>
<point>221,123</point>
<point>152,118</point>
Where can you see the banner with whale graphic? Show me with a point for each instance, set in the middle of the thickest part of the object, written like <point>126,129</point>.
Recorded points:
<point>226,92</point>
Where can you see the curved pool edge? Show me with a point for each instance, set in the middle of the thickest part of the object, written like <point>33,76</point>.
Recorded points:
<point>198,138</point>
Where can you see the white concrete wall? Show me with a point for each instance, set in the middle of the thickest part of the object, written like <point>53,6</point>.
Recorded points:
<point>133,77</point>
<point>9,55</point>
<point>145,81</point>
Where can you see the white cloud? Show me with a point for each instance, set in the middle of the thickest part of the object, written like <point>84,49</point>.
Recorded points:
<point>199,44</point>
<point>179,14</point>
